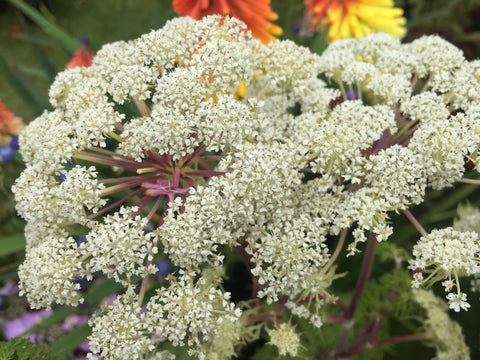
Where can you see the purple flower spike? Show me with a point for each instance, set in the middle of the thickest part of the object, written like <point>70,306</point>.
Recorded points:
<point>84,40</point>
<point>85,347</point>
<point>10,288</point>
<point>19,325</point>
<point>14,143</point>
<point>6,153</point>
<point>81,240</point>
<point>163,268</point>
<point>61,178</point>
<point>349,95</point>
<point>73,321</point>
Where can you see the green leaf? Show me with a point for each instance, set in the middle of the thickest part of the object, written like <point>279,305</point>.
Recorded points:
<point>40,100</point>
<point>33,71</point>
<point>320,42</point>
<point>49,67</point>
<point>66,344</point>
<point>12,244</point>
<point>67,41</point>
<point>22,88</point>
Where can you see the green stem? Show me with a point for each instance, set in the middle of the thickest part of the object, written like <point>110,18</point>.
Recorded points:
<point>470,181</point>
<point>342,89</point>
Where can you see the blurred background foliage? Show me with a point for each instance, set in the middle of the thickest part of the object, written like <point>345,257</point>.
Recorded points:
<point>37,39</point>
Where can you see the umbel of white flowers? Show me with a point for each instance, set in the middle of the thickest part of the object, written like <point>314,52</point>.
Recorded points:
<point>188,131</point>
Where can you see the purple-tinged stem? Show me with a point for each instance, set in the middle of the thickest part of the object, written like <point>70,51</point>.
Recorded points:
<point>119,187</point>
<point>247,261</point>
<point>212,158</point>
<point>141,106</point>
<point>415,222</point>
<point>375,327</point>
<point>115,204</point>
<point>203,163</point>
<point>176,177</point>
<point>141,204</point>
<point>119,126</point>
<point>153,210</point>
<point>111,153</point>
<point>402,338</point>
<point>188,160</point>
<point>143,286</point>
<point>405,138</point>
<point>189,181</point>
<point>155,157</point>
<point>108,161</point>
<point>365,271</point>
<point>140,178</point>
<point>382,143</point>
<point>204,173</point>
<point>391,340</point>
<point>363,334</point>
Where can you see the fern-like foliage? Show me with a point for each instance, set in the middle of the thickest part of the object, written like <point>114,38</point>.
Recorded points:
<point>19,348</point>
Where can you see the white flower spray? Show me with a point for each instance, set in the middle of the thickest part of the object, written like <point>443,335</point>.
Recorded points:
<point>151,152</point>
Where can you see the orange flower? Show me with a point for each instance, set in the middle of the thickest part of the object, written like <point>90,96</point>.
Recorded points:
<point>255,13</point>
<point>81,57</point>
<point>357,18</point>
<point>9,124</point>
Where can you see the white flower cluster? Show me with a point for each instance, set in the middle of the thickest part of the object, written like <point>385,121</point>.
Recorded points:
<point>119,237</point>
<point>49,272</point>
<point>285,339</point>
<point>193,312</point>
<point>274,172</point>
<point>121,331</point>
<point>447,254</point>
<point>445,333</point>
<point>469,220</point>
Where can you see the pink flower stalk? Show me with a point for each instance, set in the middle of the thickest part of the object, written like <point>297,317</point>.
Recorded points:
<point>155,178</point>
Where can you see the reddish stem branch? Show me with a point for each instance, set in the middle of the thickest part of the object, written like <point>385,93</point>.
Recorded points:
<point>246,259</point>
<point>415,222</point>
<point>365,271</point>
<point>391,340</point>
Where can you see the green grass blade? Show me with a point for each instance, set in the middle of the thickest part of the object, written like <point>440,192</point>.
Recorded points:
<point>66,344</point>
<point>48,65</point>
<point>36,72</point>
<point>20,88</point>
<point>67,41</point>
<point>12,244</point>
<point>41,101</point>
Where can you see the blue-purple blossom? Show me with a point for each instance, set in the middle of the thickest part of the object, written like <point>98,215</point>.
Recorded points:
<point>163,268</point>
<point>7,151</point>
<point>21,324</point>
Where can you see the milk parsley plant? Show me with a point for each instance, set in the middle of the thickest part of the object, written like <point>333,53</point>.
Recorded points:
<point>151,153</point>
